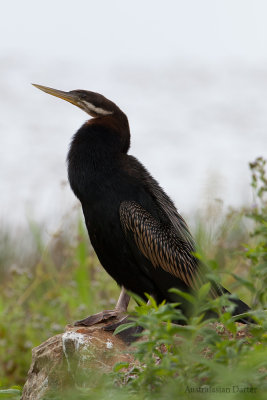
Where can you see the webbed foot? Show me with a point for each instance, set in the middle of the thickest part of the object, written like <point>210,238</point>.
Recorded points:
<point>103,316</point>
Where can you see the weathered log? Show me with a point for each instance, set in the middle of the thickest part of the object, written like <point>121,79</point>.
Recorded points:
<point>63,360</point>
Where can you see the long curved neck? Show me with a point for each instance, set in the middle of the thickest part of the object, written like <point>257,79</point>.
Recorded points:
<point>94,151</point>
<point>116,124</point>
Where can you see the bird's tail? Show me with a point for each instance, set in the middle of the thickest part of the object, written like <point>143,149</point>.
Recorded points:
<point>240,308</point>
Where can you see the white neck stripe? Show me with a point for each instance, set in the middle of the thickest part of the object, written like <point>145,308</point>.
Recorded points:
<point>97,110</point>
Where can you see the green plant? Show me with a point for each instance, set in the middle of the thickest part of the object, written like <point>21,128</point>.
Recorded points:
<point>43,288</point>
<point>206,357</point>
<point>46,284</point>
<point>257,253</point>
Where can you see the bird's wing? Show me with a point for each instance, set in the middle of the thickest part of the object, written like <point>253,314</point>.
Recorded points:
<point>160,244</point>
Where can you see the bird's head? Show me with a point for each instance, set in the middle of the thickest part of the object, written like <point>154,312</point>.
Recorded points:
<point>92,103</point>
<point>104,112</point>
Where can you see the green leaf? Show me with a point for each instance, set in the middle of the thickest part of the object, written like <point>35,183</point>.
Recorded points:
<point>244,282</point>
<point>117,367</point>
<point>123,327</point>
<point>137,298</point>
<point>5,393</point>
<point>186,296</point>
<point>204,291</point>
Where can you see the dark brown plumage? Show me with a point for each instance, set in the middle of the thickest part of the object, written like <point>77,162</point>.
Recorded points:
<point>159,244</point>
<point>140,238</point>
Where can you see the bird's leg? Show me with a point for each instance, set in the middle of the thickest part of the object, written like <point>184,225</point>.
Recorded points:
<point>123,301</point>
<point>129,335</point>
<point>103,316</point>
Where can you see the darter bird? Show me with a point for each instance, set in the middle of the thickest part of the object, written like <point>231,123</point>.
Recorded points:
<point>138,235</point>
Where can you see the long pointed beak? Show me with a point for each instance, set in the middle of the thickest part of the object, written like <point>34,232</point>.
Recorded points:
<point>70,97</point>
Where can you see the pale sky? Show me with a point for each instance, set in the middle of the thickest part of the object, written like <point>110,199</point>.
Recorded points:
<point>135,31</point>
<point>191,75</point>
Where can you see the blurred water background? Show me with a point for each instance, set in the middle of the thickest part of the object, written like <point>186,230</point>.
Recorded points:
<point>191,76</point>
